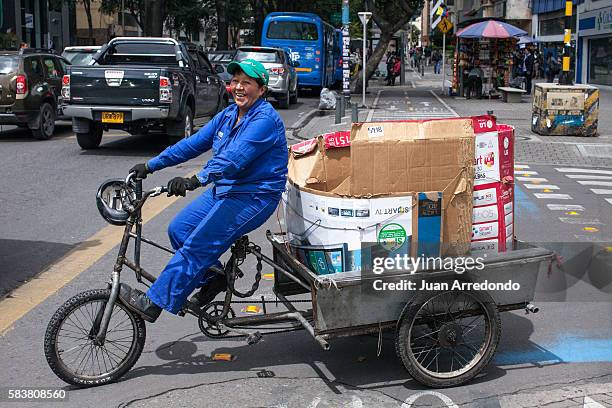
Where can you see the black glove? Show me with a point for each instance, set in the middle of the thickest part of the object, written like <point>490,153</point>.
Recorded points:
<point>178,186</point>
<point>141,170</point>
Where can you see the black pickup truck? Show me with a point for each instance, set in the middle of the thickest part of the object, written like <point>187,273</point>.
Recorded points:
<point>138,84</point>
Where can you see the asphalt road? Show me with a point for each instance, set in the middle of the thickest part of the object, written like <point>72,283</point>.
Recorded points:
<point>48,210</point>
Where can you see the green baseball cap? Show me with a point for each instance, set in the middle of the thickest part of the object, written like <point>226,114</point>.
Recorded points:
<point>252,68</point>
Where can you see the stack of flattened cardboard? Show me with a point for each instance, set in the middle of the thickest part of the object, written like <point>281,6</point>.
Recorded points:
<point>406,185</point>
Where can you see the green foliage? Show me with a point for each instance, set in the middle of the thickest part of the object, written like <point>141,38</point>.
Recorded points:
<point>133,7</point>
<point>187,15</point>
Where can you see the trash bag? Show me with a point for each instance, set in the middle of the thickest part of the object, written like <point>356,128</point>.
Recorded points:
<point>327,100</point>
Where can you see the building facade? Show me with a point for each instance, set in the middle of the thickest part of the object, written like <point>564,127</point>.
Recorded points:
<point>595,43</point>
<point>37,23</point>
<point>515,12</point>
<point>548,24</point>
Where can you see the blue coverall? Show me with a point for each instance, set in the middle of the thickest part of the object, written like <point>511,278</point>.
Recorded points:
<point>249,171</point>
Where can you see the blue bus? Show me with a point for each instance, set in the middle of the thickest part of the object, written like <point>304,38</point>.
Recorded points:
<point>309,41</point>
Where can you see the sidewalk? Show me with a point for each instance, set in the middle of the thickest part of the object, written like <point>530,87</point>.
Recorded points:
<point>422,98</point>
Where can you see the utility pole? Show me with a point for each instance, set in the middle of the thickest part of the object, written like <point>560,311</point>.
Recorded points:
<point>364,16</point>
<point>346,41</point>
<point>123,18</point>
<point>565,78</point>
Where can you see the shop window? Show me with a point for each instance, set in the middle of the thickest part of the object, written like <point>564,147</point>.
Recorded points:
<point>554,23</point>
<point>600,61</point>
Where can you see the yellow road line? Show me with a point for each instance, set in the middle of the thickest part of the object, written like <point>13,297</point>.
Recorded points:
<point>55,276</point>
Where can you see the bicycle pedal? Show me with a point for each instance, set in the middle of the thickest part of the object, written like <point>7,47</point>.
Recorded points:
<point>254,338</point>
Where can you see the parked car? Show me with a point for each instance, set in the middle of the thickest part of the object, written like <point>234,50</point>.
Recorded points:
<point>30,86</point>
<point>80,55</point>
<point>220,61</point>
<point>283,83</point>
<point>141,84</point>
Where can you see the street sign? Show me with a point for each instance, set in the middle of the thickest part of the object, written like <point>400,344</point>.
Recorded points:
<point>364,16</point>
<point>436,4</point>
<point>435,23</point>
<point>444,25</point>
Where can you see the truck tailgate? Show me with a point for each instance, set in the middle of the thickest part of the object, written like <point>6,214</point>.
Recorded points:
<point>114,85</point>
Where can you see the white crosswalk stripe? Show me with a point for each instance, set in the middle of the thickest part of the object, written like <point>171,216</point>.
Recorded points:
<point>553,196</point>
<point>588,176</point>
<point>595,183</point>
<point>530,172</point>
<point>541,186</point>
<point>520,166</point>
<point>532,179</point>
<point>565,207</point>
<point>575,170</point>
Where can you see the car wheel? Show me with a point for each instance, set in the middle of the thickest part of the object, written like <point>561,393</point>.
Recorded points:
<point>188,122</point>
<point>46,122</point>
<point>283,101</point>
<point>294,98</point>
<point>91,139</point>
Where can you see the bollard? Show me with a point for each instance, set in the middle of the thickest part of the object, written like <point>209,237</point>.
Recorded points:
<point>338,112</point>
<point>354,113</point>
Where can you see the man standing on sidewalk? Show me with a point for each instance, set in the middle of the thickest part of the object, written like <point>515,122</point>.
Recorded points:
<point>436,58</point>
<point>528,65</point>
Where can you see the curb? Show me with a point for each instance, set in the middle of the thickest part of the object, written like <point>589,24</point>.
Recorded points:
<point>305,120</point>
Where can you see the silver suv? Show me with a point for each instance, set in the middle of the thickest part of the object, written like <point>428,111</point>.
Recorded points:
<point>283,83</point>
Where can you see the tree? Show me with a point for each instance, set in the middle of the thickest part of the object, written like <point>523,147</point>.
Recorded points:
<point>188,15</point>
<point>222,25</point>
<point>390,16</point>
<point>154,17</point>
<point>134,7</point>
<point>87,6</point>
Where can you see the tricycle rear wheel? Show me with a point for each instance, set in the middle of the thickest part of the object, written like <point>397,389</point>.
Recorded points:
<point>445,339</point>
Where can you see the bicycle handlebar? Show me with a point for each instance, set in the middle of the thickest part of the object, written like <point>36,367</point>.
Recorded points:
<point>154,192</point>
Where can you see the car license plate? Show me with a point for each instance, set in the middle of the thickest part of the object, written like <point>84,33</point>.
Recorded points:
<point>112,117</point>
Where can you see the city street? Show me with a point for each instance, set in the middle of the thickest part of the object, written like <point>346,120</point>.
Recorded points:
<point>54,244</point>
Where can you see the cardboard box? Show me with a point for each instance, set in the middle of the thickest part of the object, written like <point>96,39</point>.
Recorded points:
<point>563,110</point>
<point>493,197</point>
<point>325,225</point>
<point>494,156</point>
<point>322,214</point>
<point>419,156</point>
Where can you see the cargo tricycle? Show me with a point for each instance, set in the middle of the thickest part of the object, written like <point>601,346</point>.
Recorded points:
<point>443,337</point>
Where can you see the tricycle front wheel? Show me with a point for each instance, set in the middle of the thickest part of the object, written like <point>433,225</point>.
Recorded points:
<point>445,339</point>
<point>70,346</point>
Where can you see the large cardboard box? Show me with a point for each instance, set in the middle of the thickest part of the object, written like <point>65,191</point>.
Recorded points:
<point>564,110</point>
<point>326,226</point>
<point>330,212</point>
<point>419,156</point>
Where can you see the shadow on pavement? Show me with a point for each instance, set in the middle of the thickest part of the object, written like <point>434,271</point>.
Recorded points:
<point>351,362</point>
<point>15,134</point>
<point>147,145</point>
<point>23,260</point>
